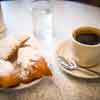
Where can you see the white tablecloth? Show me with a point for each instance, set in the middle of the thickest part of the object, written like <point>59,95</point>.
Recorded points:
<point>67,16</point>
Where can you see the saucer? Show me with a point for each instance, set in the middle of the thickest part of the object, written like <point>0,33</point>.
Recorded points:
<point>64,49</point>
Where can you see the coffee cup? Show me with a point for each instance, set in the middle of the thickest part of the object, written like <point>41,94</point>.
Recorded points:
<point>86,46</point>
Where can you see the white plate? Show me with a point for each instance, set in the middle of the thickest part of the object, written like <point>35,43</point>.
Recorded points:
<point>22,86</point>
<point>64,49</point>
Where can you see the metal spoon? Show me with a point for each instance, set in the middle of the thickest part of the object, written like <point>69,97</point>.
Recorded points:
<point>70,64</point>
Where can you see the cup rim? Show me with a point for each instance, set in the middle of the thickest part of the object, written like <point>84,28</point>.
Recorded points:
<point>89,28</point>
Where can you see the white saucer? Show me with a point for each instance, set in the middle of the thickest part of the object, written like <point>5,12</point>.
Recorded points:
<point>64,49</point>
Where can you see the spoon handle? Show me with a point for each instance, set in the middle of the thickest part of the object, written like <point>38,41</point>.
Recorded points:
<point>66,65</point>
<point>90,70</point>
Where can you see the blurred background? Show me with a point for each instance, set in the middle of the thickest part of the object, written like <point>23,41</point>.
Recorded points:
<point>91,2</point>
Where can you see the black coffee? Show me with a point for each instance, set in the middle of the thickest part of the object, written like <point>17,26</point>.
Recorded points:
<point>88,38</point>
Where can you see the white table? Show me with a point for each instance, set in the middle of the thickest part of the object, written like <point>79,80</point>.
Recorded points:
<point>67,16</point>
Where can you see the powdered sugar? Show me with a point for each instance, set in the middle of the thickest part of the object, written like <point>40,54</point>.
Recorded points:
<point>24,74</point>
<point>5,67</point>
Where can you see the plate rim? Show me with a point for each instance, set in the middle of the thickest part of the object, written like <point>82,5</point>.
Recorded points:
<point>23,86</point>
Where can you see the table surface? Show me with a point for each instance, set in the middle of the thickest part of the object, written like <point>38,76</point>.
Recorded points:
<point>67,16</point>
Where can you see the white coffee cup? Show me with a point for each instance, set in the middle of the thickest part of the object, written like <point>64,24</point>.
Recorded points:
<point>84,54</point>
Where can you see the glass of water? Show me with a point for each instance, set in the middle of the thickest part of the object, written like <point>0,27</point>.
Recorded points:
<point>2,24</point>
<point>42,15</point>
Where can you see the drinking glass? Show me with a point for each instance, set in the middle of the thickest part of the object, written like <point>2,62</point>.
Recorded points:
<point>42,14</point>
<point>2,25</point>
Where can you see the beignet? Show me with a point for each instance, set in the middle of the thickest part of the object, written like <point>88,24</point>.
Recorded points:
<point>32,63</point>
<point>8,74</point>
<point>9,45</point>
